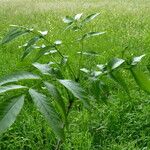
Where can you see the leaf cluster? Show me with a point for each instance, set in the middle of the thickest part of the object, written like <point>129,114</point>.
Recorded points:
<point>54,93</point>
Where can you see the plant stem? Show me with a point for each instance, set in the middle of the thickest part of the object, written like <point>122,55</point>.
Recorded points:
<point>69,106</point>
<point>72,72</point>
<point>70,103</point>
<point>80,60</point>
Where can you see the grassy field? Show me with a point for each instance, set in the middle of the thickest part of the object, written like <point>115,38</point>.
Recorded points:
<point>122,124</point>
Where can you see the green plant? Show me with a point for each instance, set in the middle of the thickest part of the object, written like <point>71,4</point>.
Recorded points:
<point>57,85</point>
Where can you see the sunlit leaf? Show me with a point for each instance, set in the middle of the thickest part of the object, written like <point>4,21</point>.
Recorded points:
<point>7,88</point>
<point>58,42</point>
<point>96,73</point>
<point>85,70</point>
<point>17,77</point>
<point>31,42</point>
<point>45,50</point>
<point>47,69</point>
<point>50,52</point>
<point>115,63</point>
<point>78,16</point>
<point>90,18</point>
<point>43,68</point>
<point>136,60</point>
<point>102,67</point>
<point>43,33</point>
<point>89,53</point>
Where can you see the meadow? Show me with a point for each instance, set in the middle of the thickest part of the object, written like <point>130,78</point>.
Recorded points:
<point>121,124</point>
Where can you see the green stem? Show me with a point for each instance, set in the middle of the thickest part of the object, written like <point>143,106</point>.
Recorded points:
<point>59,142</point>
<point>63,58</point>
<point>80,60</point>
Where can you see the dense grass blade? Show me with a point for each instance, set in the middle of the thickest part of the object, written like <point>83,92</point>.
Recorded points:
<point>17,77</point>
<point>57,97</point>
<point>48,111</point>
<point>9,111</point>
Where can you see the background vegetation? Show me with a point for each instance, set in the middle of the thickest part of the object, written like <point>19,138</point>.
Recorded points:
<point>122,124</point>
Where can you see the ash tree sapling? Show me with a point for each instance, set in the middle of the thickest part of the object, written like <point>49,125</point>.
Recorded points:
<point>55,91</point>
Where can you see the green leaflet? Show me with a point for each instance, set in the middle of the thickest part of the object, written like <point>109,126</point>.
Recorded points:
<point>47,69</point>
<point>17,77</point>
<point>78,16</point>
<point>9,111</point>
<point>115,63</point>
<point>43,68</point>
<point>57,97</point>
<point>141,79</point>
<point>48,111</point>
<point>7,88</point>
<point>90,18</point>
<point>137,59</point>
<point>91,34</point>
<point>28,48</point>
<point>76,90</point>
<point>45,50</point>
<point>14,33</point>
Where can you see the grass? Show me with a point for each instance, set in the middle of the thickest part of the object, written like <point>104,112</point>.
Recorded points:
<point>123,124</point>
